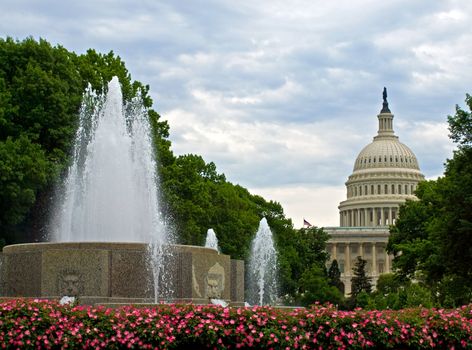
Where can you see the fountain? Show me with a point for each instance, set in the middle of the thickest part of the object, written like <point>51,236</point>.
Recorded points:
<point>262,270</point>
<point>211,240</point>
<point>110,193</point>
<point>110,243</point>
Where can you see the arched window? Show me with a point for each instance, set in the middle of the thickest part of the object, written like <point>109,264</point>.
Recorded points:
<point>393,189</point>
<point>386,189</point>
<point>399,189</point>
<point>378,189</point>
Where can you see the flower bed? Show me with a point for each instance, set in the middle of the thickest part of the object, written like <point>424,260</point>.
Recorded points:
<point>46,324</point>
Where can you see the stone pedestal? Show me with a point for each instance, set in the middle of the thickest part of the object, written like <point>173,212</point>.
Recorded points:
<point>118,273</point>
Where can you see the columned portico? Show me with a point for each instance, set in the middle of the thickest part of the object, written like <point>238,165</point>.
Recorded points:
<point>368,241</point>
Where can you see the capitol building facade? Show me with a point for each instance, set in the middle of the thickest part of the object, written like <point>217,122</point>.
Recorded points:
<point>385,174</point>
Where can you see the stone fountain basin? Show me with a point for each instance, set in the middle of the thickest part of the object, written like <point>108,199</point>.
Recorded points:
<point>111,272</point>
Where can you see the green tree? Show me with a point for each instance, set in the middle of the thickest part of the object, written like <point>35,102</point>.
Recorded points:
<point>305,258</point>
<point>393,292</point>
<point>388,283</point>
<point>460,124</point>
<point>24,170</point>
<point>315,287</point>
<point>417,295</point>
<point>360,281</point>
<point>334,276</point>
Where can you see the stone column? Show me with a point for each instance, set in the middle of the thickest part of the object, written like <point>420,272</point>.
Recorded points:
<point>375,223</point>
<point>347,260</point>
<point>366,217</point>
<point>374,259</point>
<point>351,217</point>
<point>334,252</point>
<point>361,250</point>
<point>390,216</point>
<point>382,216</point>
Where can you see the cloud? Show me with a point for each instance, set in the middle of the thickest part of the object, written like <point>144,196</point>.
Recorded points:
<point>254,153</point>
<point>280,95</point>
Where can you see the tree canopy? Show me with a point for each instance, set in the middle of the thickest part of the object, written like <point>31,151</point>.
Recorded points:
<point>360,282</point>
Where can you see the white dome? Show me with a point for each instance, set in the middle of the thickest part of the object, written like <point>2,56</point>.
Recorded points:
<point>386,152</point>
<point>386,173</point>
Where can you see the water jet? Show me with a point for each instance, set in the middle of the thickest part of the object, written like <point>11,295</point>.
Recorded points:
<point>211,240</point>
<point>262,271</point>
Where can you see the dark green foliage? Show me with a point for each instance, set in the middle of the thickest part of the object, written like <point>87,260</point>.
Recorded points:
<point>315,287</point>
<point>304,260</point>
<point>360,282</point>
<point>24,170</point>
<point>334,276</point>
<point>306,250</point>
<point>388,283</point>
<point>42,90</point>
<point>460,125</point>
<point>394,293</point>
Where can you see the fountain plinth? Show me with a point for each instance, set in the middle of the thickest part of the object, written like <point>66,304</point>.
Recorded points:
<point>108,272</point>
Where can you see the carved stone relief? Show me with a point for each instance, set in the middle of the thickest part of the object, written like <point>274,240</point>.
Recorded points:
<point>70,283</point>
<point>215,281</point>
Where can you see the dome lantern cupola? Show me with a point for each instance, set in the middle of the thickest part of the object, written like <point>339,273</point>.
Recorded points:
<point>385,120</point>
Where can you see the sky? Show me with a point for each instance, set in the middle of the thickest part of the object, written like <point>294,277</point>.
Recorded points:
<point>280,95</point>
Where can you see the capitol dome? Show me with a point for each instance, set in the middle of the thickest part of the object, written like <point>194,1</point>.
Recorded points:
<point>386,153</point>
<point>385,174</point>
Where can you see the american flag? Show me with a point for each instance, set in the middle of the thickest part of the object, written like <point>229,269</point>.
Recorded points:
<point>306,223</point>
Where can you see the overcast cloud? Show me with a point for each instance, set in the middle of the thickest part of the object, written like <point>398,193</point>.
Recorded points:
<point>281,95</point>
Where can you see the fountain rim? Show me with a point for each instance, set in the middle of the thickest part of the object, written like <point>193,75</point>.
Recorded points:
<point>99,245</point>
